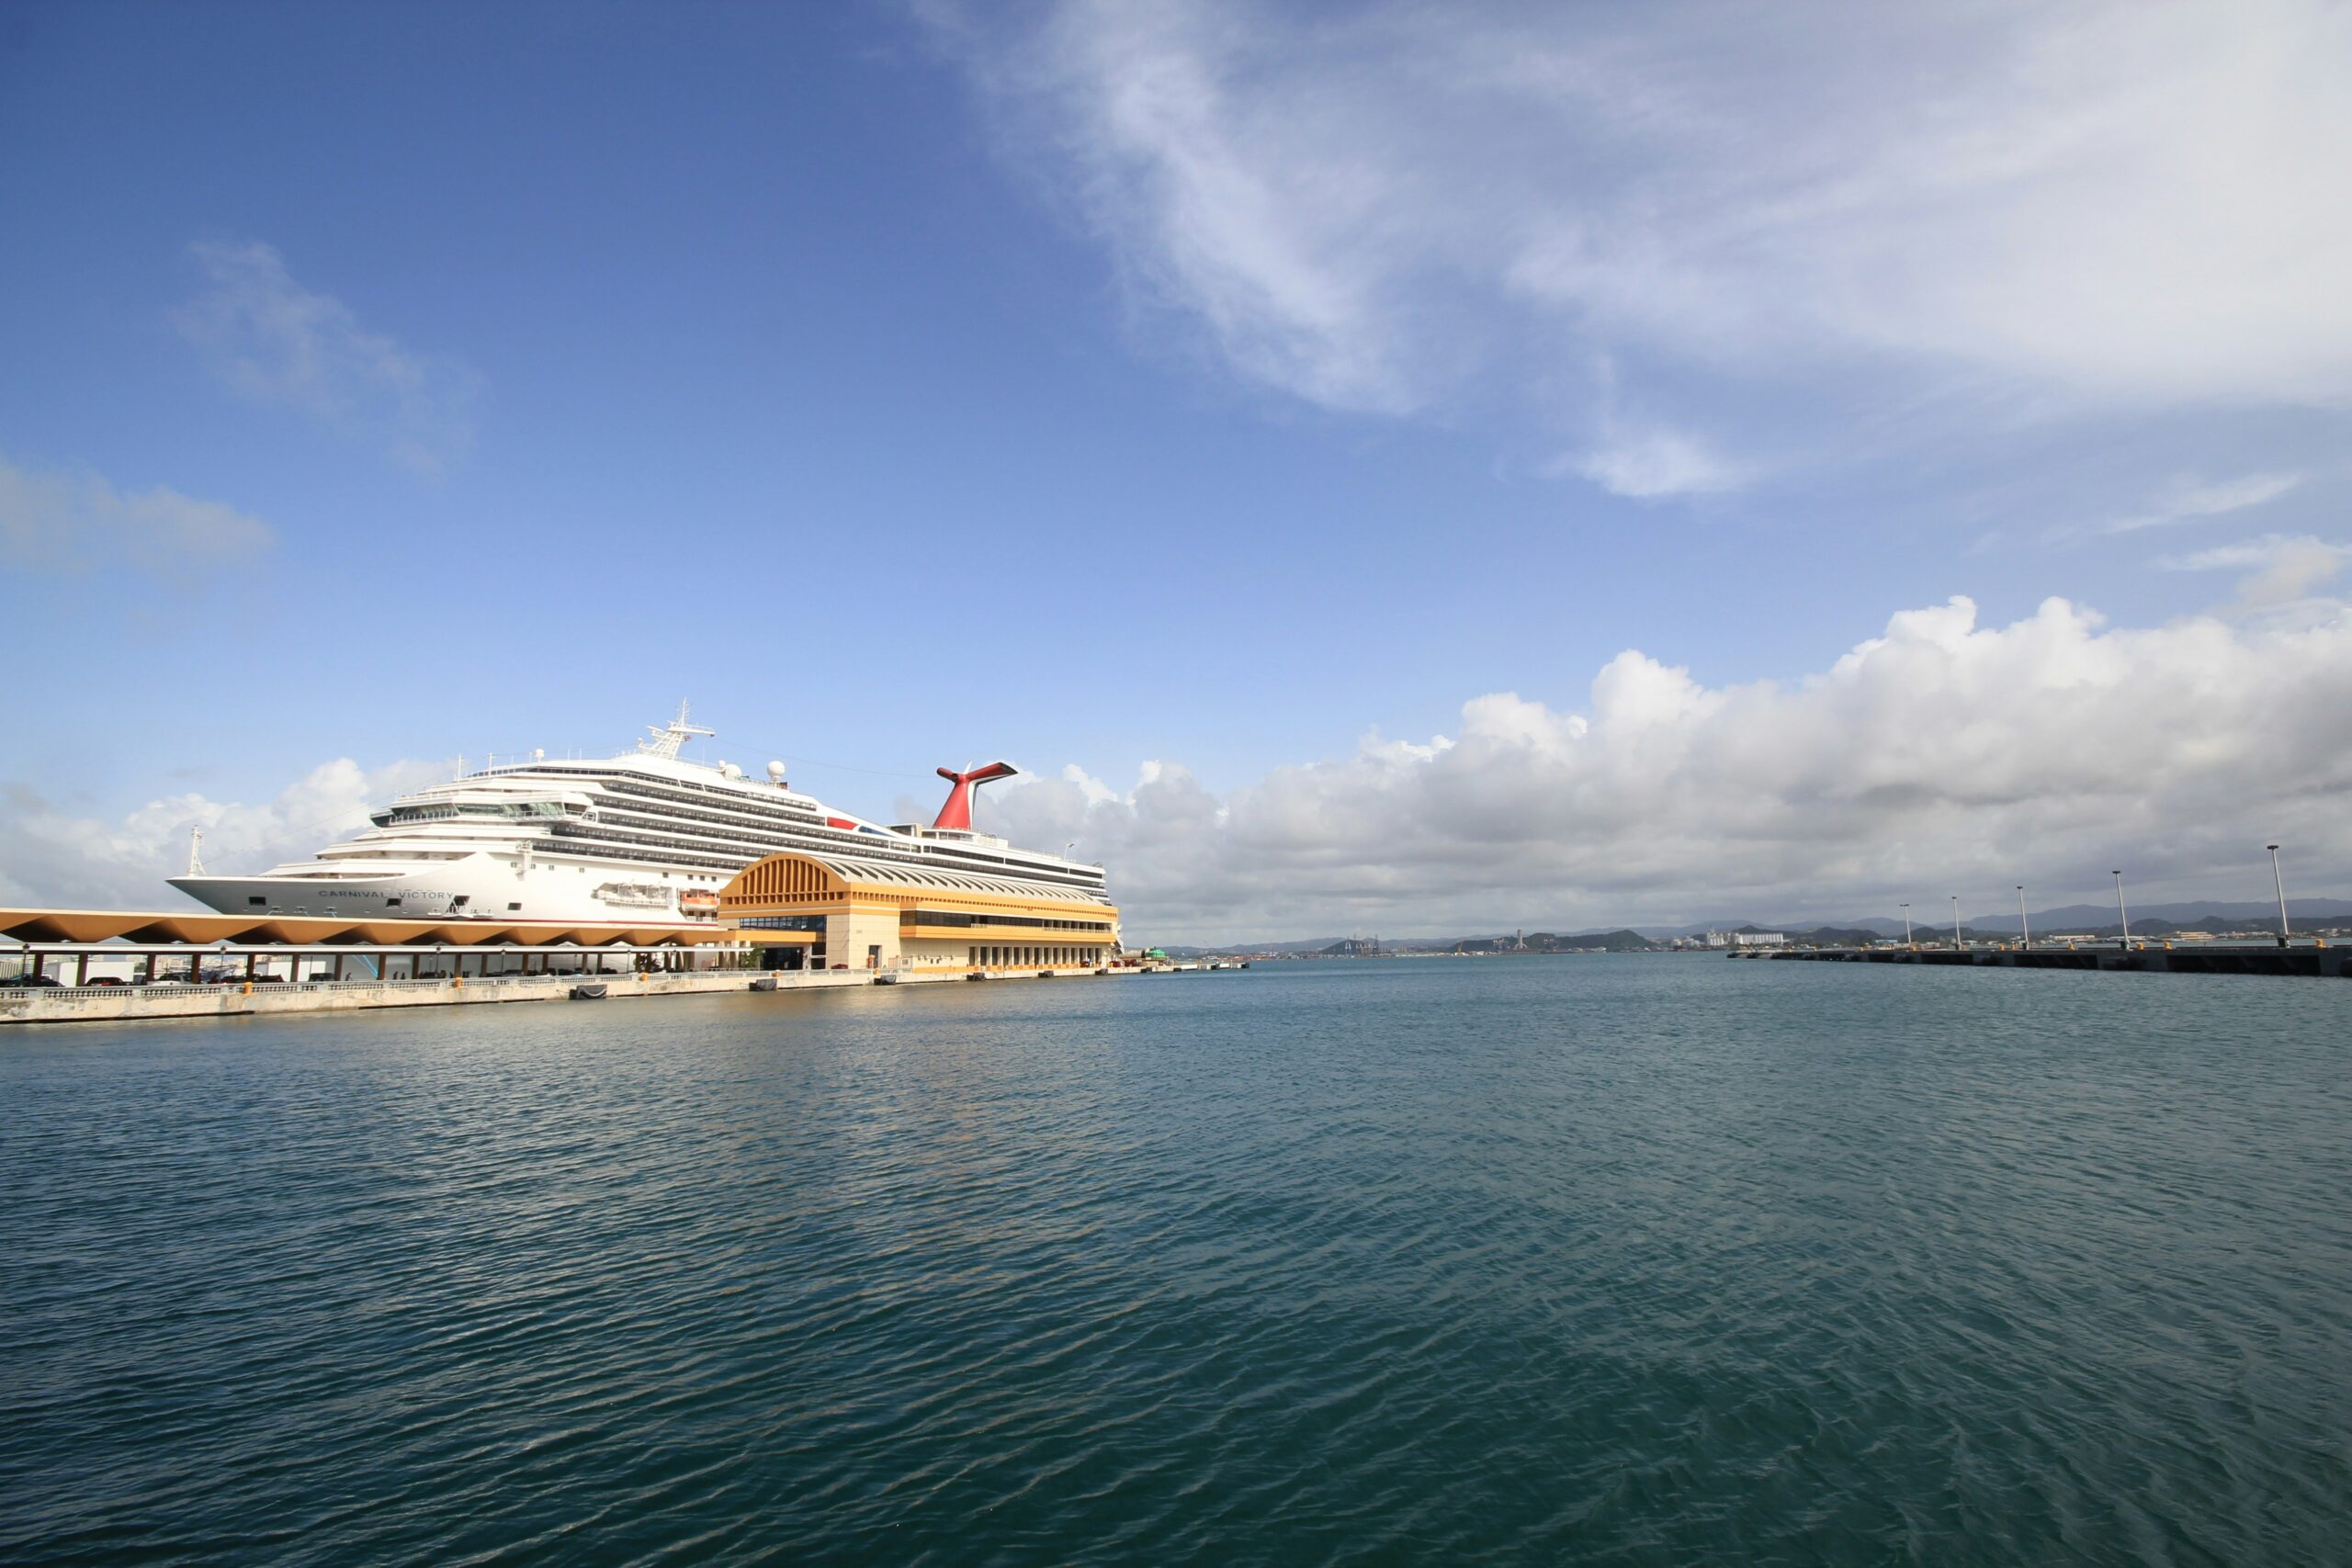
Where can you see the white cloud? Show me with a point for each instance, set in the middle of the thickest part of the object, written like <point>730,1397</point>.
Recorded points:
<point>2190,499</point>
<point>1938,756</point>
<point>2115,205</point>
<point>275,342</point>
<point>1092,789</point>
<point>54,857</point>
<point>80,520</point>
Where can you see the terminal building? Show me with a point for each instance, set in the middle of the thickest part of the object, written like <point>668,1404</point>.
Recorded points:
<point>923,922</point>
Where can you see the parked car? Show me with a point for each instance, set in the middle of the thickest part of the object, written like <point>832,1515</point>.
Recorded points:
<point>26,982</point>
<point>107,980</point>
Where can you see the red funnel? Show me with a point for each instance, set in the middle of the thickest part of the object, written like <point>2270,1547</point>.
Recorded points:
<point>957,812</point>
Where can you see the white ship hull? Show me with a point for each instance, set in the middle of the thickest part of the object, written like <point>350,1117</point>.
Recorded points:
<point>479,886</point>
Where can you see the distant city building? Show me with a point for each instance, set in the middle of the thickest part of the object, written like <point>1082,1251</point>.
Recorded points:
<point>1747,939</point>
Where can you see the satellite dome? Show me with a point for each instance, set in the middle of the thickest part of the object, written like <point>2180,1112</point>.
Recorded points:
<point>776,773</point>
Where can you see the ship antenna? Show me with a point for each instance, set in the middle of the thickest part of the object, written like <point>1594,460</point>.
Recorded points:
<point>196,851</point>
<point>665,741</point>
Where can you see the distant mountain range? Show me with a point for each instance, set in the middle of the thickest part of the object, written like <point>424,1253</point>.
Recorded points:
<point>2088,919</point>
<point>2094,917</point>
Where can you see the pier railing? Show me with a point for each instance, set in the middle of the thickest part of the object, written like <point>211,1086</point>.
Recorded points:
<point>2318,960</point>
<point>409,982</point>
<point>405,982</point>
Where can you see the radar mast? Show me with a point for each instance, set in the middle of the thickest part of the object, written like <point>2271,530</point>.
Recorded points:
<point>664,740</point>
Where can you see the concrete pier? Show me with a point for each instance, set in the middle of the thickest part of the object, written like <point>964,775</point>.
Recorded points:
<point>2204,958</point>
<point>103,1004</point>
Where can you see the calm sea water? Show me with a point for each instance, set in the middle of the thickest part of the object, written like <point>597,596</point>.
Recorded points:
<point>1612,1260</point>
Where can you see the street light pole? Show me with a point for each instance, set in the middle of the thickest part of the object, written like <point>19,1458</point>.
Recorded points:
<point>1906,928</point>
<point>1957,946</point>
<point>2121,914</point>
<point>2279,883</point>
<point>2022,926</point>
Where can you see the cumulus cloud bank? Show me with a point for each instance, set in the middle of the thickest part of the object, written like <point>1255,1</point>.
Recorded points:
<point>79,520</point>
<point>55,857</point>
<point>274,340</point>
<point>1941,756</point>
<point>2111,204</point>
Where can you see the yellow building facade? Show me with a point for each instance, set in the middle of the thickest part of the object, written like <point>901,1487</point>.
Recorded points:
<point>921,923</point>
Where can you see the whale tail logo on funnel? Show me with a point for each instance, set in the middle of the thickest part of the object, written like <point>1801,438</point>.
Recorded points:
<point>957,812</point>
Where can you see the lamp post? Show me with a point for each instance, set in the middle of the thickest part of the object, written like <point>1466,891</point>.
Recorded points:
<point>2024,929</point>
<point>2122,915</point>
<point>1906,928</point>
<point>1957,946</point>
<point>2279,883</point>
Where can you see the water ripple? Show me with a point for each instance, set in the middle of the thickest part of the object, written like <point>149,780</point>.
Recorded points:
<point>1624,1260</point>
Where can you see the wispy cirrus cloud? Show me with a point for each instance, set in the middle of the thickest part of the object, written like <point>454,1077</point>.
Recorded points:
<point>1647,463</point>
<point>2282,570</point>
<point>2190,499</point>
<point>80,520</point>
<point>1402,208</point>
<point>271,340</point>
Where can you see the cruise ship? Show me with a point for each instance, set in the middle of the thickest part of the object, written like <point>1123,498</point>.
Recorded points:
<point>646,837</point>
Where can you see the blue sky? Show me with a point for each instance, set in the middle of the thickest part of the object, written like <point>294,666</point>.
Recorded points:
<point>1171,398</point>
